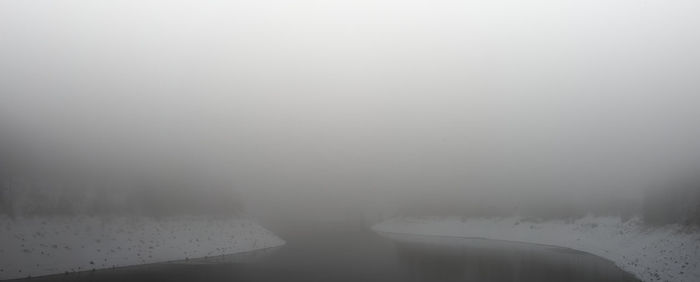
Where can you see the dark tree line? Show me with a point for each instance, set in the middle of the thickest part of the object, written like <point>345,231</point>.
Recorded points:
<point>24,196</point>
<point>541,209</point>
<point>34,182</point>
<point>674,202</point>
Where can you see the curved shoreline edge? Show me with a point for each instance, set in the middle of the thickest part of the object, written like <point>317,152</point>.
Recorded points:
<point>41,246</point>
<point>669,253</point>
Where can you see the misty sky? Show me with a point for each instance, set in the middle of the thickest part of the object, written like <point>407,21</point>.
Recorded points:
<point>363,100</point>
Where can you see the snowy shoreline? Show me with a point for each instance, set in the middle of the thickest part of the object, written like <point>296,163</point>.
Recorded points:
<point>668,253</point>
<point>38,246</point>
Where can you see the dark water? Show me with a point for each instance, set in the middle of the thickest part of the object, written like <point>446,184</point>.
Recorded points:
<point>333,253</point>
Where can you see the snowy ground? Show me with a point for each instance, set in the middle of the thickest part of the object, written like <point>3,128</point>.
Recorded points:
<point>53,245</point>
<point>670,253</point>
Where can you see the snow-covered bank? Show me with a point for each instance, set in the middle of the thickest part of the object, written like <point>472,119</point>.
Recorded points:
<point>52,245</point>
<point>670,253</point>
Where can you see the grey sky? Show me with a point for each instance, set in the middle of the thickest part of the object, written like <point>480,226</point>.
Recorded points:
<point>364,100</point>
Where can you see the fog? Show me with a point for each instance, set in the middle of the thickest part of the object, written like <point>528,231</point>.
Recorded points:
<point>314,108</point>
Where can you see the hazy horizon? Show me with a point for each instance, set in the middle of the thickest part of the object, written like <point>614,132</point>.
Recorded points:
<point>327,105</point>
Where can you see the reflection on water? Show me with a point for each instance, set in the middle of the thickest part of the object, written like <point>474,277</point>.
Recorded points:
<point>470,259</point>
<point>337,254</point>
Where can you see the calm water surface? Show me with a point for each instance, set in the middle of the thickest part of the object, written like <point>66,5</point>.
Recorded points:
<point>340,253</point>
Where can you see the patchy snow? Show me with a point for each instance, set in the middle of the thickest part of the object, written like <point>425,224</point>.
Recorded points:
<point>52,245</point>
<point>669,253</point>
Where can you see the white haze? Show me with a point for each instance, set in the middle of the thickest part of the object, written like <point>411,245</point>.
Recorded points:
<point>327,105</point>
